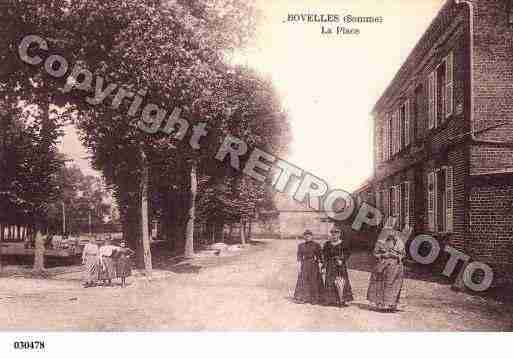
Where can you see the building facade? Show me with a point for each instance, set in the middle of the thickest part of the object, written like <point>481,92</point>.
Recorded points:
<point>291,219</point>
<point>443,134</point>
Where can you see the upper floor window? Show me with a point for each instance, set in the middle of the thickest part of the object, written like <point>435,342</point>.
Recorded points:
<point>440,92</point>
<point>404,125</point>
<point>416,124</point>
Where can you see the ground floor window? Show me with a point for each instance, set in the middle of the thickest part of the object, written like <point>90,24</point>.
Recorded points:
<point>440,199</point>
<point>395,202</point>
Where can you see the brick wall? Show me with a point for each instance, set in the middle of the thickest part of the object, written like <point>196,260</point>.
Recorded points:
<point>491,158</point>
<point>491,225</point>
<point>493,86</point>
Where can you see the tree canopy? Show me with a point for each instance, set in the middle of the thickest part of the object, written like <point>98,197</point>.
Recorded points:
<point>175,55</point>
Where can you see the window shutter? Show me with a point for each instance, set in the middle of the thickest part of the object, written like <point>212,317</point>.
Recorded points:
<point>393,205</point>
<point>378,141</point>
<point>392,134</point>
<point>449,80</point>
<point>432,100</point>
<point>406,204</point>
<point>386,201</point>
<point>386,142</point>
<point>400,125</point>
<point>449,197</point>
<point>398,130</point>
<point>398,205</point>
<point>431,201</point>
<point>407,123</point>
<point>390,208</point>
<point>435,196</point>
<point>383,203</point>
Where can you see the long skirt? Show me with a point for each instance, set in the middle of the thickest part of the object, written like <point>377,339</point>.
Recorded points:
<point>309,283</point>
<point>386,283</point>
<point>91,266</point>
<point>123,267</point>
<point>108,271</point>
<point>333,295</point>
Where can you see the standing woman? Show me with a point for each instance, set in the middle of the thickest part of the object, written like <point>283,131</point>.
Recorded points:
<point>108,269</point>
<point>123,265</point>
<point>387,279</point>
<point>309,282</point>
<point>338,289</point>
<point>90,258</point>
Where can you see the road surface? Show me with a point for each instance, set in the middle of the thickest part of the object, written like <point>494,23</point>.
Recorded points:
<point>250,291</point>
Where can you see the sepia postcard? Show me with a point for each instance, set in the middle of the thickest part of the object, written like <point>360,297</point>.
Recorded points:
<point>304,166</point>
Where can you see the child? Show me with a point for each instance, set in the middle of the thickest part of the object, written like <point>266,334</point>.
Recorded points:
<point>123,265</point>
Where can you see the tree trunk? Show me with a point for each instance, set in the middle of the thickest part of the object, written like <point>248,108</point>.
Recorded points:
<point>212,232</point>
<point>145,228</point>
<point>39,252</point>
<point>189,239</point>
<point>242,232</point>
<point>250,229</point>
<point>230,231</point>
<point>219,230</point>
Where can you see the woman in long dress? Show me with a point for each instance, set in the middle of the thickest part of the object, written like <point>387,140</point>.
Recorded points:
<point>387,279</point>
<point>108,268</point>
<point>90,258</point>
<point>309,282</point>
<point>337,289</point>
<point>123,264</point>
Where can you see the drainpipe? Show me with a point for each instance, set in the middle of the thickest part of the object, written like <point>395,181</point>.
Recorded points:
<point>471,26</point>
<point>459,284</point>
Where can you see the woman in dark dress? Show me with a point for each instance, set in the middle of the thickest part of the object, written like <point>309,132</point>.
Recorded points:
<point>338,289</point>
<point>123,264</point>
<point>309,282</point>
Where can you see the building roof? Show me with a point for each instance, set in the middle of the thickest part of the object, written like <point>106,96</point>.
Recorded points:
<point>407,70</point>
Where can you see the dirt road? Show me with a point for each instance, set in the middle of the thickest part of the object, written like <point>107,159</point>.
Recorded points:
<point>248,292</point>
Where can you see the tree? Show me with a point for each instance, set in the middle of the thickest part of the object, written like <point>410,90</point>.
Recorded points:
<point>29,167</point>
<point>176,51</point>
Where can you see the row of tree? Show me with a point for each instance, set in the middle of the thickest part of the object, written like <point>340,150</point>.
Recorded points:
<point>177,52</point>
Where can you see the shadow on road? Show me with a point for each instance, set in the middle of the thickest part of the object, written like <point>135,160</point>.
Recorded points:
<point>167,260</point>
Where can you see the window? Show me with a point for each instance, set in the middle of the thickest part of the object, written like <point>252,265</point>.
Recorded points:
<point>398,206</point>
<point>391,206</point>
<point>404,125</point>
<point>440,200</point>
<point>393,133</point>
<point>405,205</point>
<point>379,146</point>
<point>415,126</point>
<point>441,92</point>
<point>388,134</point>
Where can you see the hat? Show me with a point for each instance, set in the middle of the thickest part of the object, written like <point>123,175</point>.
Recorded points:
<point>308,233</point>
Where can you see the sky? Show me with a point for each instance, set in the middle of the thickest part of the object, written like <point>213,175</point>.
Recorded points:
<point>328,83</point>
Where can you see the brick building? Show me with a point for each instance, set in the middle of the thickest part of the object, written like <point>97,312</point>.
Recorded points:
<point>443,134</point>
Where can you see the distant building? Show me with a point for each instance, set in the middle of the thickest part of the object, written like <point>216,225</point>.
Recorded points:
<point>291,219</point>
<point>443,134</point>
